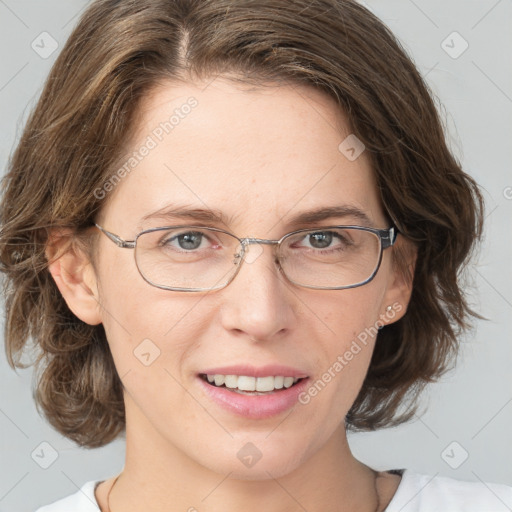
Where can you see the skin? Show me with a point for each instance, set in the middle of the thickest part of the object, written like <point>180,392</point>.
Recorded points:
<point>261,155</point>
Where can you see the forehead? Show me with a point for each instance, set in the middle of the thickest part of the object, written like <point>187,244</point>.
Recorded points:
<point>259,153</point>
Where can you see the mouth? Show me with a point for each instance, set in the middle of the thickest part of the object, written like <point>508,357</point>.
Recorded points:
<point>251,397</point>
<point>255,386</point>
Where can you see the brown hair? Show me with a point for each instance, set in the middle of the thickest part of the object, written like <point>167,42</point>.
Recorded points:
<point>76,135</point>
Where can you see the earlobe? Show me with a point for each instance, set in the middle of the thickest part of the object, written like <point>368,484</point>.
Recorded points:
<point>75,278</point>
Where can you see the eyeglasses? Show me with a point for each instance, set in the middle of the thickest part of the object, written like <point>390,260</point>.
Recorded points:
<point>199,258</point>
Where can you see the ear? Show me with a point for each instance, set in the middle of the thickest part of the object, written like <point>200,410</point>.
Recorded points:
<point>399,289</point>
<point>74,276</point>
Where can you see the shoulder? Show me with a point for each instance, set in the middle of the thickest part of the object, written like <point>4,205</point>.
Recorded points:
<point>425,493</point>
<point>81,501</point>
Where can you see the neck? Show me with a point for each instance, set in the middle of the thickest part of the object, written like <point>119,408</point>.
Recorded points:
<point>158,475</point>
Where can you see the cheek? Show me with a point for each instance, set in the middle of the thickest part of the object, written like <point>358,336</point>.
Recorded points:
<point>346,335</point>
<point>143,323</point>
<point>347,313</point>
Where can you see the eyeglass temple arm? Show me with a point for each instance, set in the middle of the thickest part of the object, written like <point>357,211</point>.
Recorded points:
<point>388,237</point>
<point>125,244</point>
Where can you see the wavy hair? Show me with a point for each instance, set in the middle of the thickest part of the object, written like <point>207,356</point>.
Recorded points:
<point>77,132</point>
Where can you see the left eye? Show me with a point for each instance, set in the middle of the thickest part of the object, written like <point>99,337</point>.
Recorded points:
<point>320,240</point>
<point>324,239</point>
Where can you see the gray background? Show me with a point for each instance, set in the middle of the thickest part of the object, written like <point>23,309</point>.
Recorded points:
<point>470,412</point>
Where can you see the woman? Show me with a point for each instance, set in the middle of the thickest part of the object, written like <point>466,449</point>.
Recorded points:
<point>234,231</point>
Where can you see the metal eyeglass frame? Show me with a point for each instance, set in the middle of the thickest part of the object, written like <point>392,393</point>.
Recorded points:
<point>387,238</point>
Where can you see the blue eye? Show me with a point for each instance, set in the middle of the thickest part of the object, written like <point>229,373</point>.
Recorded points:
<point>325,240</point>
<point>320,240</point>
<point>188,241</point>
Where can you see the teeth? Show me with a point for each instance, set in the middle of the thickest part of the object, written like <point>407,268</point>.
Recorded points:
<point>219,380</point>
<point>279,382</point>
<point>245,383</point>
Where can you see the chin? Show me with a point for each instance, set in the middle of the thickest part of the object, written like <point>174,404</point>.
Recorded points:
<point>253,461</point>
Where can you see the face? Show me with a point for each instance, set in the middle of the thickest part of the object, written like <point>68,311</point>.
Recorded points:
<point>261,157</point>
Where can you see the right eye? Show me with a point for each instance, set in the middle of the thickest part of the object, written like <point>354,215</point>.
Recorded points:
<point>186,241</point>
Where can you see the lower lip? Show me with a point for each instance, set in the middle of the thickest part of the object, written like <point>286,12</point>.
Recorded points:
<point>255,406</point>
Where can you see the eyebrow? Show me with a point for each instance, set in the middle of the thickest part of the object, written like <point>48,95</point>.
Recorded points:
<point>172,212</point>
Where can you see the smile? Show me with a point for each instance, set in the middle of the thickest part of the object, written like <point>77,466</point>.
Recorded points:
<point>251,385</point>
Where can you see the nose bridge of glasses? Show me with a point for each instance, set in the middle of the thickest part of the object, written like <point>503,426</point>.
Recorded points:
<point>252,255</point>
<point>247,241</point>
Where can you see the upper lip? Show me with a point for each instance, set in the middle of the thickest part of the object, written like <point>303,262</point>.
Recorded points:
<point>252,371</point>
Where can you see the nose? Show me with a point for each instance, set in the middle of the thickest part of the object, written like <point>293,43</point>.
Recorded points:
<point>259,301</point>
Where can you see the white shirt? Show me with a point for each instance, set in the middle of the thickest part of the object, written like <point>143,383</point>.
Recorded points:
<point>416,493</point>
